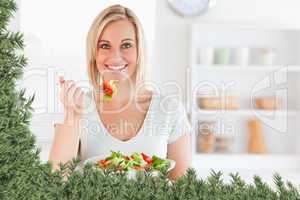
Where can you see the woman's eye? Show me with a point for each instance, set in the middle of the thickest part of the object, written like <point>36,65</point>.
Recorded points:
<point>126,45</point>
<point>104,46</point>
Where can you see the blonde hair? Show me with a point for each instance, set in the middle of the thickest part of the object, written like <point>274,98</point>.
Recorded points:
<point>108,15</point>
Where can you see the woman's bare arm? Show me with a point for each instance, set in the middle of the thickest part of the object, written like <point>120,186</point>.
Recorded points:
<point>181,152</point>
<point>66,141</point>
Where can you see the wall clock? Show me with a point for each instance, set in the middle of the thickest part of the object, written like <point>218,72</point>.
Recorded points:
<point>190,7</point>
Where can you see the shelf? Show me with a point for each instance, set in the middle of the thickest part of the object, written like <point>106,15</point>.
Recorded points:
<point>247,161</point>
<point>247,82</point>
<point>250,68</point>
<point>246,113</point>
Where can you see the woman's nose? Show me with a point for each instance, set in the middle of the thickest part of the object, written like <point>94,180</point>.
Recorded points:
<point>116,54</point>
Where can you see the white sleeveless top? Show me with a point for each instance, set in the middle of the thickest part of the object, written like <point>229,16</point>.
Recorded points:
<point>165,122</point>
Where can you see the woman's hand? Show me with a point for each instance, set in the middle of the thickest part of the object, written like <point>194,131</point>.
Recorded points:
<point>72,97</point>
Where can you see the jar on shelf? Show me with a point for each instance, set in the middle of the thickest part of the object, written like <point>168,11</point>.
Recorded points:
<point>267,56</point>
<point>210,141</point>
<point>205,56</point>
<point>268,102</point>
<point>216,99</point>
<point>222,56</point>
<point>216,103</point>
<point>241,56</point>
<point>205,137</point>
<point>256,140</point>
<point>223,143</point>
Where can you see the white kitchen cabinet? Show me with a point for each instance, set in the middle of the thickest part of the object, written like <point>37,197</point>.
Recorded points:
<point>246,81</point>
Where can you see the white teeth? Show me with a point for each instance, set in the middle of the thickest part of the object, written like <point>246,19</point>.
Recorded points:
<point>119,67</point>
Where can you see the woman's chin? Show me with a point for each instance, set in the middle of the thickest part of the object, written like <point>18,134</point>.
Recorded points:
<point>124,76</point>
<point>116,74</point>
<point>117,77</point>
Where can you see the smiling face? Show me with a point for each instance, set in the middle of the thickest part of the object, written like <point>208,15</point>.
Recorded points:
<point>116,56</point>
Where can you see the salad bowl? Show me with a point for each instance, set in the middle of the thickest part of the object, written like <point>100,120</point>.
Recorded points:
<point>131,164</point>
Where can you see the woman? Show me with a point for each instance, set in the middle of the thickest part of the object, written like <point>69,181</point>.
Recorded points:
<point>158,126</point>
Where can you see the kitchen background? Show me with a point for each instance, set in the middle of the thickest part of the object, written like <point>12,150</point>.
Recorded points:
<point>236,66</point>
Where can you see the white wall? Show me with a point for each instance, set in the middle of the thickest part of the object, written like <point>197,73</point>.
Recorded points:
<point>172,35</point>
<point>59,28</point>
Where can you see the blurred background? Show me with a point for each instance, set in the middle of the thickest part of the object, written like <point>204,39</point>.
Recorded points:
<point>233,63</point>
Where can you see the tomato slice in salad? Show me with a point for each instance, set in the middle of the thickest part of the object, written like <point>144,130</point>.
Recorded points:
<point>103,163</point>
<point>146,158</point>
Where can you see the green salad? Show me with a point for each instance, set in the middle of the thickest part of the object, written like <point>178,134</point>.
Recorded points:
<point>136,161</point>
